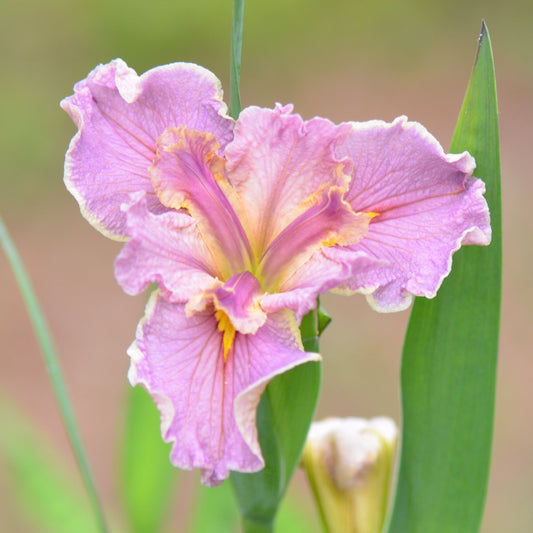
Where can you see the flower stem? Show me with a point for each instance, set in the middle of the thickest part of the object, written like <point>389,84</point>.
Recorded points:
<point>235,59</point>
<point>48,351</point>
<point>251,526</point>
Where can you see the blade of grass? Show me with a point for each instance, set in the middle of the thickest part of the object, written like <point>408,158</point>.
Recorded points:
<point>48,351</point>
<point>235,58</point>
<point>450,353</point>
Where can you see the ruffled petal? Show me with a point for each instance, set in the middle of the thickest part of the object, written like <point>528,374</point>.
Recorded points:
<point>208,404</point>
<point>119,116</point>
<point>276,161</point>
<point>425,205</point>
<point>187,173</point>
<point>166,249</point>
<point>275,349</point>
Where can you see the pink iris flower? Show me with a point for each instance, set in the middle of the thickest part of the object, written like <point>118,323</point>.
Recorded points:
<point>242,224</point>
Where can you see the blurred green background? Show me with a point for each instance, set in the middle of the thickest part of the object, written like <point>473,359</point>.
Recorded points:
<point>341,59</point>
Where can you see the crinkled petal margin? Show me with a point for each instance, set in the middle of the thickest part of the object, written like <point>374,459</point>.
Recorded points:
<point>208,406</point>
<point>426,206</point>
<point>166,249</point>
<point>276,161</point>
<point>119,116</point>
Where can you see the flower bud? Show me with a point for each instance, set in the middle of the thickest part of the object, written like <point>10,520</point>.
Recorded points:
<point>349,464</point>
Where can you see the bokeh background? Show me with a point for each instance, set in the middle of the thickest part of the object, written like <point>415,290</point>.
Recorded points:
<point>341,59</point>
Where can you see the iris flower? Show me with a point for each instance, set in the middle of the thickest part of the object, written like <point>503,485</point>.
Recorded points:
<point>242,224</point>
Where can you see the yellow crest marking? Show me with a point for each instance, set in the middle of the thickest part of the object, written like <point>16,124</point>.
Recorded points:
<point>226,327</point>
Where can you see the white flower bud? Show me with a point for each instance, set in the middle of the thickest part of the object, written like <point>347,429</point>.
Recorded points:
<point>349,463</point>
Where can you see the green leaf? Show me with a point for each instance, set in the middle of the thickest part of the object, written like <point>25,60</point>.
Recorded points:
<point>450,353</point>
<point>147,476</point>
<point>284,415</point>
<point>46,345</point>
<point>42,489</point>
<point>323,319</point>
<point>235,59</point>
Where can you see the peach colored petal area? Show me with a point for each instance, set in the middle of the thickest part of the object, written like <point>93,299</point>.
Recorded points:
<point>327,269</point>
<point>426,204</point>
<point>276,161</point>
<point>208,403</point>
<point>119,116</point>
<point>325,221</point>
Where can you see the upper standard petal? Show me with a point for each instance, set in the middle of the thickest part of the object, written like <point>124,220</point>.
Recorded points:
<point>119,116</point>
<point>276,161</point>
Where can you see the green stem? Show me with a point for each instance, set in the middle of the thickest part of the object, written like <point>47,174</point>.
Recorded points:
<point>235,59</point>
<point>251,526</point>
<point>309,331</point>
<point>54,371</point>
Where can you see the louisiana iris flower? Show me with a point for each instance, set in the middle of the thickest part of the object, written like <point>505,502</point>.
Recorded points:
<point>242,224</point>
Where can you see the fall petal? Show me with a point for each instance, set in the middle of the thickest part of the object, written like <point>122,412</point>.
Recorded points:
<point>328,269</point>
<point>207,403</point>
<point>425,204</point>
<point>119,116</point>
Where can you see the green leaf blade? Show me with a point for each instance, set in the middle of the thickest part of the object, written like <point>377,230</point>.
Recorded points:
<point>450,353</point>
<point>287,406</point>
<point>235,58</point>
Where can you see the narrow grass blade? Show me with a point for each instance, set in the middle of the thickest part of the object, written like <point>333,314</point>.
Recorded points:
<point>235,59</point>
<point>147,476</point>
<point>450,353</point>
<point>54,371</point>
<point>284,415</point>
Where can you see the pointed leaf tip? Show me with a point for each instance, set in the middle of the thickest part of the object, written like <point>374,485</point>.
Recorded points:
<point>483,33</point>
<point>450,352</point>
